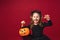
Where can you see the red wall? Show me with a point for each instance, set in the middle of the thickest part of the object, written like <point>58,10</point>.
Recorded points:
<point>13,11</point>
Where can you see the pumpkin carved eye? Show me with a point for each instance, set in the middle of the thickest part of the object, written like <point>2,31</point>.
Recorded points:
<point>24,29</point>
<point>21,31</point>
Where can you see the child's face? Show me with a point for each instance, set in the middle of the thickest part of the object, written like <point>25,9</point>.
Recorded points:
<point>35,17</point>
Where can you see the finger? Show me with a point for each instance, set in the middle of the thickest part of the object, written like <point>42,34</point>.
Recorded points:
<point>22,22</point>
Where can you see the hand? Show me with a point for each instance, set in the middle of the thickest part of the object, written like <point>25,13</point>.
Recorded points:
<point>22,23</point>
<point>47,17</point>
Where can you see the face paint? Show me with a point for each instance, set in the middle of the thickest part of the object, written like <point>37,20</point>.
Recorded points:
<point>36,17</point>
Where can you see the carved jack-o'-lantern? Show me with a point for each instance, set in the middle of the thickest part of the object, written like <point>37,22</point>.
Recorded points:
<point>24,31</point>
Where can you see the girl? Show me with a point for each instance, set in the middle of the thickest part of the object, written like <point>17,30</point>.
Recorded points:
<point>37,26</point>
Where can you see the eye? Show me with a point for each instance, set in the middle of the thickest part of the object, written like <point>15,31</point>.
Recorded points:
<point>34,16</point>
<point>37,16</point>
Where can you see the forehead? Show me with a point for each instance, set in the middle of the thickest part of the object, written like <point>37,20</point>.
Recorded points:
<point>35,14</point>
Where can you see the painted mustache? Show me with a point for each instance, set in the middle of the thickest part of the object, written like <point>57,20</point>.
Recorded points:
<point>35,19</point>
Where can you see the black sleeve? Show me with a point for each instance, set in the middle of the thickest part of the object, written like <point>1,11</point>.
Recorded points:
<point>48,23</point>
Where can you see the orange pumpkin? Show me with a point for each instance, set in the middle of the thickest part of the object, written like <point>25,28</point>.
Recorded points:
<point>24,31</point>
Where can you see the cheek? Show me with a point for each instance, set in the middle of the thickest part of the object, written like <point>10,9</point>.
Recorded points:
<point>33,19</point>
<point>38,18</point>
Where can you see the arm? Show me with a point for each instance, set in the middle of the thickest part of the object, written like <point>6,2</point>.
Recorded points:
<point>23,24</point>
<point>49,22</point>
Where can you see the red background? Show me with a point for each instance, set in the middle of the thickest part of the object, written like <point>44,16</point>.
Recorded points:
<point>13,11</point>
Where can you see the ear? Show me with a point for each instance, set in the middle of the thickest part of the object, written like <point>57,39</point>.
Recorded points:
<point>30,16</point>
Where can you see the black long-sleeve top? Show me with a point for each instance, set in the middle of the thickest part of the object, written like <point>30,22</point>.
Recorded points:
<point>37,31</point>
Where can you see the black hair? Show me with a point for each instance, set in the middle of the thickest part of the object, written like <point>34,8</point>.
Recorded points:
<point>36,11</point>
